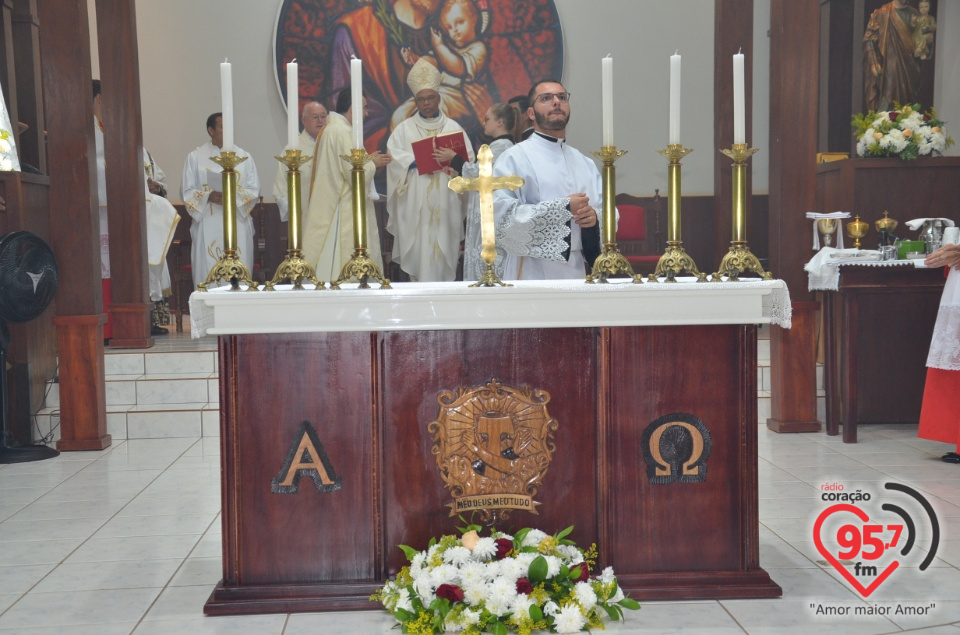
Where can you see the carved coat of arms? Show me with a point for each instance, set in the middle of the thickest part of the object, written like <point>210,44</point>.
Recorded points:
<point>493,446</point>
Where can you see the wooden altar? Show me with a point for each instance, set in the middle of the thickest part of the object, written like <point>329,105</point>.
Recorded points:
<point>365,368</point>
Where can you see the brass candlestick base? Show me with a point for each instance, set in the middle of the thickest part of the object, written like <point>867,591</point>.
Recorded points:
<point>294,268</point>
<point>229,267</point>
<point>739,259</point>
<point>360,266</point>
<point>489,278</point>
<point>610,262</point>
<point>675,259</point>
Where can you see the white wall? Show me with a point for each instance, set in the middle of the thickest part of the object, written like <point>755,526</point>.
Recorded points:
<point>183,41</point>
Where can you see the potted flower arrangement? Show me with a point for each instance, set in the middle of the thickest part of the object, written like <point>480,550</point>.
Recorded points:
<point>904,132</point>
<point>502,584</point>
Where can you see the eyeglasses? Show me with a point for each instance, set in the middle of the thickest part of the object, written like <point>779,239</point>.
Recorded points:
<point>547,98</point>
<point>427,99</point>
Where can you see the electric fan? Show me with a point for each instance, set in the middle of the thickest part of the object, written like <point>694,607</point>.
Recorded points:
<point>28,280</point>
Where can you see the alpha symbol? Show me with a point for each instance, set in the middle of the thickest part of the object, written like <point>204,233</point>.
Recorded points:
<point>306,457</point>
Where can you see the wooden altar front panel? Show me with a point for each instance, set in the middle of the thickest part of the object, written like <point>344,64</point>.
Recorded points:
<point>371,397</point>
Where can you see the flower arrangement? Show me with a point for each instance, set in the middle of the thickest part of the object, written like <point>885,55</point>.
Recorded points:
<point>501,584</point>
<point>904,132</point>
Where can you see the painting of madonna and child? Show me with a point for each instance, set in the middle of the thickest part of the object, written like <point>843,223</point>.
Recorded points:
<point>487,51</point>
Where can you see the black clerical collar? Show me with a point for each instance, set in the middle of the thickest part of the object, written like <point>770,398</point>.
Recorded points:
<point>547,137</point>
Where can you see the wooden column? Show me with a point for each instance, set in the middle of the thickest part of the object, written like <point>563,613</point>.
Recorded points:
<point>26,36</point>
<point>74,223</point>
<point>794,82</point>
<point>733,33</point>
<point>123,150</point>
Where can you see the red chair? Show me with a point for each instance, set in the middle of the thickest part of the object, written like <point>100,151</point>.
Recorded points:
<point>632,238</point>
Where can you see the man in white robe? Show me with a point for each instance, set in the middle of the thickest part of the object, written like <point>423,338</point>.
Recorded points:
<point>162,219</point>
<point>205,203</point>
<point>328,241</point>
<point>314,118</point>
<point>425,216</point>
<point>102,196</point>
<point>548,229</point>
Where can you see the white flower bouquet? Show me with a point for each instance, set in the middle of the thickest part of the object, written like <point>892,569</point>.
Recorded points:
<point>502,584</point>
<point>905,132</point>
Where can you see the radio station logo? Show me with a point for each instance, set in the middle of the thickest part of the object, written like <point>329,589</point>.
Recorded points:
<point>867,548</point>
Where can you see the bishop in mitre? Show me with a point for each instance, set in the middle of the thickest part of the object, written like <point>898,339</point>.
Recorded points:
<point>425,216</point>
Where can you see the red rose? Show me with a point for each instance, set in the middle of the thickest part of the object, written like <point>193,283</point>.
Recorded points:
<point>503,547</point>
<point>524,586</point>
<point>584,572</point>
<point>450,592</point>
<point>894,115</point>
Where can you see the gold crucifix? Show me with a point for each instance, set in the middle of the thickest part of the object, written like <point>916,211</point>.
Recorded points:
<point>485,184</point>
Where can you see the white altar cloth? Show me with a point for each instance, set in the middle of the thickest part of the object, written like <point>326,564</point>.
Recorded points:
<point>823,270</point>
<point>427,306</point>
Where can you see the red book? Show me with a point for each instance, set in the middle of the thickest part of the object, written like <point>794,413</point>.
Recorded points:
<point>423,150</point>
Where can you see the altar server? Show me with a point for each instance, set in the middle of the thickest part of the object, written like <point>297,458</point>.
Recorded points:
<point>203,199</point>
<point>940,414</point>
<point>548,228</point>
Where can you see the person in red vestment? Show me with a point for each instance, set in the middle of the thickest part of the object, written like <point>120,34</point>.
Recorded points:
<point>940,413</point>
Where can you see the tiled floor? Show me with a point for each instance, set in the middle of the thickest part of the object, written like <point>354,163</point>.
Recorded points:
<point>127,540</point>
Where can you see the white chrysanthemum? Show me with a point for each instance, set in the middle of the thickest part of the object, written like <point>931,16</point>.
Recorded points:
<point>470,617</point>
<point>585,595</point>
<point>5,146</point>
<point>500,534</point>
<point>486,548</point>
<point>445,574</point>
<point>534,538</point>
<point>512,569</point>
<point>881,119</point>
<point>553,566</point>
<point>473,573</point>
<point>456,555</point>
<point>416,565</point>
<point>617,596</point>
<point>425,588</point>
<point>570,554</point>
<point>500,596</point>
<point>6,165</point>
<point>474,594</point>
<point>939,141</point>
<point>569,620</point>
<point>404,601</point>
<point>606,576</point>
<point>863,145</point>
<point>521,604</point>
<point>525,559</point>
<point>550,608</point>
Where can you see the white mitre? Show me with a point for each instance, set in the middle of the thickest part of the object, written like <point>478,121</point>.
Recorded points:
<point>423,76</point>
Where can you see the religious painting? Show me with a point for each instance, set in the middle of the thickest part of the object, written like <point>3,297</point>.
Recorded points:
<point>487,51</point>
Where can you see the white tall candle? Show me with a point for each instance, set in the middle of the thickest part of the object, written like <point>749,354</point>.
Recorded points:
<point>226,97</point>
<point>356,101</point>
<point>606,67</point>
<point>293,104</point>
<point>674,130</point>
<point>739,114</point>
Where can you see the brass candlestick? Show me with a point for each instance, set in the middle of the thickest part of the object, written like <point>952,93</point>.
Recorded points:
<point>675,259</point>
<point>294,268</point>
<point>485,184</point>
<point>229,267</point>
<point>739,258</point>
<point>360,265</point>
<point>610,261</point>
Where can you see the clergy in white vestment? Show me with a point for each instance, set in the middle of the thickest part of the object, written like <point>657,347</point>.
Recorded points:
<point>424,215</point>
<point>548,228</point>
<point>102,196</point>
<point>328,241</point>
<point>314,118</point>
<point>203,199</point>
<point>162,219</point>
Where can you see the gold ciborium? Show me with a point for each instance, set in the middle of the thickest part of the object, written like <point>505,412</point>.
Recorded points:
<point>886,224</point>
<point>857,230</point>
<point>827,227</point>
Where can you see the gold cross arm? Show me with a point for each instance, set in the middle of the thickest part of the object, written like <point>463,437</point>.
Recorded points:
<point>485,184</point>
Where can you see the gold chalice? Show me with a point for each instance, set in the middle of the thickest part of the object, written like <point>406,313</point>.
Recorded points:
<point>857,230</point>
<point>827,227</point>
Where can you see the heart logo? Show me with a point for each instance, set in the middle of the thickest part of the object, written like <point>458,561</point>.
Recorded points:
<point>877,545</point>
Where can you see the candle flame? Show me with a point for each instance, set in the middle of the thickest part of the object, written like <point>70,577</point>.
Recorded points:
<point>677,52</point>
<point>224,60</point>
